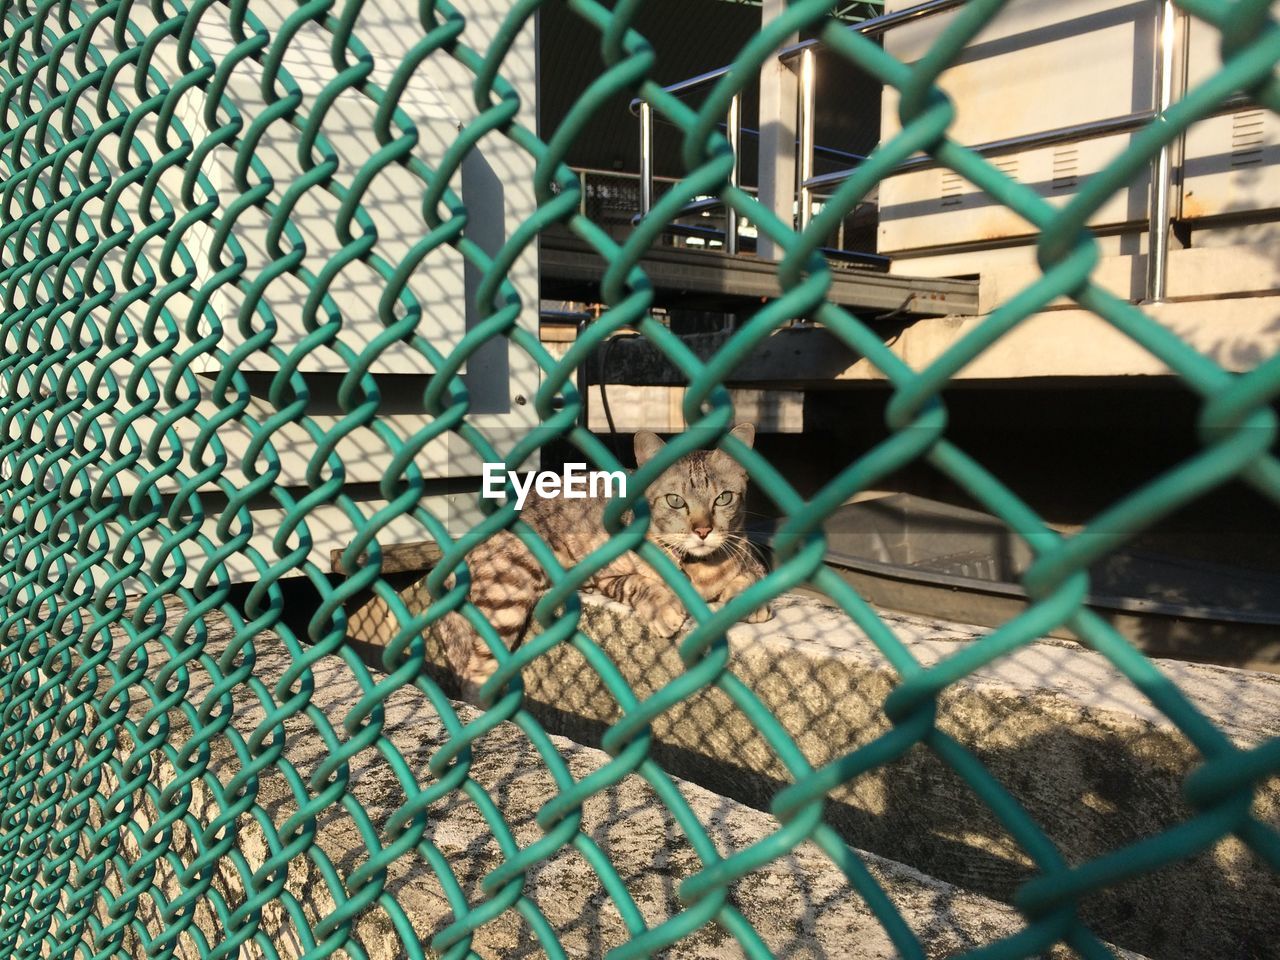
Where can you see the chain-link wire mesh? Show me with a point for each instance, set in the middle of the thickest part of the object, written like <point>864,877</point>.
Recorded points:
<point>141,330</point>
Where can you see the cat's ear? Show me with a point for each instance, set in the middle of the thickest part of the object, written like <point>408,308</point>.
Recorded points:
<point>746,432</point>
<point>647,444</point>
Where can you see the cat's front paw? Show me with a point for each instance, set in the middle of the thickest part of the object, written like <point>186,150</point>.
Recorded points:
<point>669,619</point>
<point>760,614</point>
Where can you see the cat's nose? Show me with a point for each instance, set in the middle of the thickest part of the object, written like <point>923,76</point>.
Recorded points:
<point>702,532</point>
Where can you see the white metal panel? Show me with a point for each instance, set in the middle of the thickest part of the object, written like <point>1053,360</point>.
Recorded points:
<point>328,526</point>
<point>365,456</point>
<point>393,202</point>
<point>1037,66</point>
<point>1231,163</point>
<point>495,183</point>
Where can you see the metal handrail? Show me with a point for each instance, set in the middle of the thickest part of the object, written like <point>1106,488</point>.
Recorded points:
<point>809,184</point>
<point>874,26</point>
<point>621,174</point>
<point>1158,207</point>
<point>693,206</point>
<point>877,25</point>
<point>752,132</point>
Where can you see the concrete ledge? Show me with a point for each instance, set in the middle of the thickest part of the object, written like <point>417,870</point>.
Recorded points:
<point>800,905</point>
<point>1237,333</point>
<point>1095,764</point>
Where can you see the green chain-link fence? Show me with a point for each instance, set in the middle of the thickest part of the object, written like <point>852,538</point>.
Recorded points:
<point>136,332</point>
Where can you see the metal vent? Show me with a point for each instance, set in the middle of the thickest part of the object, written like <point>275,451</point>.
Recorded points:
<point>1066,168</point>
<point>1247,136</point>
<point>952,188</point>
<point>1008,166</point>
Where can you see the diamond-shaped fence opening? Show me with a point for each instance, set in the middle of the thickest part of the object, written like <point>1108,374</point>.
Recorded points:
<point>270,286</point>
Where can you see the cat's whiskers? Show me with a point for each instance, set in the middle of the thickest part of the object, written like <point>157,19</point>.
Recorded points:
<point>741,553</point>
<point>730,547</point>
<point>742,548</point>
<point>673,543</point>
<point>748,547</point>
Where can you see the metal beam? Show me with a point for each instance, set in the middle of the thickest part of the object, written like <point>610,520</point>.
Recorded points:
<point>712,280</point>
<point>777,141</point>
<point>1162,166</point>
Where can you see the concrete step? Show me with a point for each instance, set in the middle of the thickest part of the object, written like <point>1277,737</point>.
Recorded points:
<point>1092,761</point>
<point>800,905</point>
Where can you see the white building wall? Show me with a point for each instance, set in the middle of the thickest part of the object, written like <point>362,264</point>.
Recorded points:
<point>496,184</point>
<point>1041,66</point>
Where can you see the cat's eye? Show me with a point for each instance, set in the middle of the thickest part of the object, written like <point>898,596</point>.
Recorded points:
<point>724,499</point>
<point>674,501</point>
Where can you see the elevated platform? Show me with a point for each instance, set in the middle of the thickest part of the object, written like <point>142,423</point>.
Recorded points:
<point>1052,345</point>
<point>707,280</point>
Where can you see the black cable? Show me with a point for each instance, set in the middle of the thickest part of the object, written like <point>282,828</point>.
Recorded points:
<point>604,397</point>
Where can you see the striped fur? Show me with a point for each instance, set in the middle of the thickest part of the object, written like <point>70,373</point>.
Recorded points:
<point>703,536</point>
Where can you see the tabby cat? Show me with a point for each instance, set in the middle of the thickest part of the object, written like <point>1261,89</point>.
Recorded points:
<point>697,518</point>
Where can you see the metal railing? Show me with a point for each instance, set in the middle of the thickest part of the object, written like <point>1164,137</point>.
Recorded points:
<point>807,148</point>
<point>803,57</point>
<point>734,127</point>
